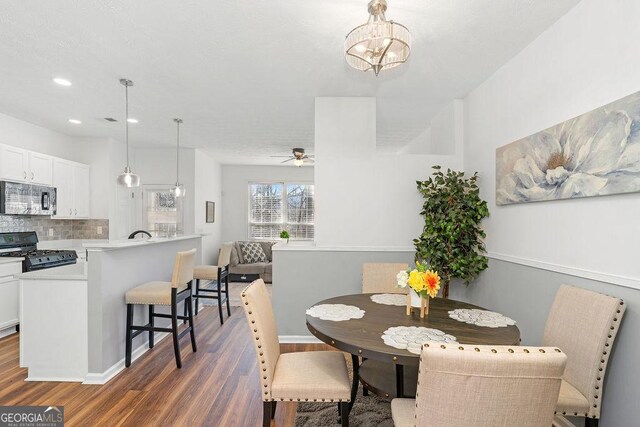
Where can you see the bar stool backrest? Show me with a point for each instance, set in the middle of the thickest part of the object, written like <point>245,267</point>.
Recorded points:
<point>224,257</point>
<point>183,268</point>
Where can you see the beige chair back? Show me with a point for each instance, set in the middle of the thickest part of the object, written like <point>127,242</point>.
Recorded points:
<point>474,385</point>
<point>183,268</point>
<point>381,277</point>
<point>224,257</point>
<point>584,325</point>
<point>257,308</point>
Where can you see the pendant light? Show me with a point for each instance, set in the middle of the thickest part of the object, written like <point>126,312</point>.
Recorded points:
<point>127,178</point>
<point>178,189</point>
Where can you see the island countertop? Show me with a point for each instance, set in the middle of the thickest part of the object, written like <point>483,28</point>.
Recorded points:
<point>127,243</point>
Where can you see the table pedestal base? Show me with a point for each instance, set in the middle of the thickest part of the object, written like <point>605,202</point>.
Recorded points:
<point>380,378</point>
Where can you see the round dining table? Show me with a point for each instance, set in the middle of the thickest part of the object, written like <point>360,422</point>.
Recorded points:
<point>389,371</point>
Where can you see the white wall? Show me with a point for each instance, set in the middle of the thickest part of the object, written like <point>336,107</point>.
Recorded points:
<point>35,138</point>
<point>363,198</point>
<point>235,192</point>
<point>587,59</point>
<point>208,187</point>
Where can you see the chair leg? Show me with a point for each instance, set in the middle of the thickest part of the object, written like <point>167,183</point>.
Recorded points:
<point>174,327</point>
<point>220,302</point>
<point>266,414</point>
<point>127,357</point>
<point>197,301</point>
<point>226,291</point>
<point>193,331</point>
<point>590,422</point>
<point>273,409</point>
<point>344,414</point>
<point>151,323</point>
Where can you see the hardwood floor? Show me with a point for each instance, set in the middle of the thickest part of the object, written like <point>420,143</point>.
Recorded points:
<point>217,386</point>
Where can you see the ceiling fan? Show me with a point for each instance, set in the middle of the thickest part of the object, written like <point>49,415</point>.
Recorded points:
<point>298,157</point>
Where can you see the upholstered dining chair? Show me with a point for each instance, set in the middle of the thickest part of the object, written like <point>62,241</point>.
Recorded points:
<point>584,324</point>
<point>218,274</point>
<point>313,376</point>
<point>164,293</point>
<point>381,277</point>
<point>461,385</point>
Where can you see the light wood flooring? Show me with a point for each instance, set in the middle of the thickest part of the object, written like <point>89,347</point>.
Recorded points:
<point>217,386</point>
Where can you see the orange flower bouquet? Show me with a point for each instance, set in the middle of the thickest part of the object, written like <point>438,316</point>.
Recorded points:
<point>422,283</point>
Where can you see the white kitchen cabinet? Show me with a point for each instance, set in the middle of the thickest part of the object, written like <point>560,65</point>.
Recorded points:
<point>9,296</point>
<point>17,164</point>
<point>72,182</point>
<point>14,163</point>
<point>40,169</point>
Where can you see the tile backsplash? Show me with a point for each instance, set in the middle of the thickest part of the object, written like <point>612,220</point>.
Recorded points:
<point>62,228</point>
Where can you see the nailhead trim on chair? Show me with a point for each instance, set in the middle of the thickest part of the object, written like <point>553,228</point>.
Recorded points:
<point>267,392</point>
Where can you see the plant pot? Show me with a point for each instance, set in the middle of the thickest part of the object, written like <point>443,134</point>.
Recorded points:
<point>284,241</point>
<point>415,298</point>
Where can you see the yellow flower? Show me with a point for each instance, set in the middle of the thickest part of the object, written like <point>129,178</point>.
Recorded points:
<point>417,280</point>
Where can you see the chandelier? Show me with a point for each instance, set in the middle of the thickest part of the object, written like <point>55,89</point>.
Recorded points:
<point>379,44</point>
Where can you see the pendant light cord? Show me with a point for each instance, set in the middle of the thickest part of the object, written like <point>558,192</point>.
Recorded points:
<point>178,156</point>
<point>126,120</point>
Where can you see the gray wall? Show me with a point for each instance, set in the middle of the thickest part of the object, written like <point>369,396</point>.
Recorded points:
<point>526,294</point>
<point>235,193</point>
<point>301,278</point>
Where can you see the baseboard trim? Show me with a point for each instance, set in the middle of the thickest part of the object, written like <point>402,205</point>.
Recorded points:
<point>106,376</point>
<point>627,282</point>
<point>9,331</point>
<point>298,339</point>
<point>53,379</point>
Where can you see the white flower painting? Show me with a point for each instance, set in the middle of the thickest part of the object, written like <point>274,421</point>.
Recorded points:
<point>595,154</point>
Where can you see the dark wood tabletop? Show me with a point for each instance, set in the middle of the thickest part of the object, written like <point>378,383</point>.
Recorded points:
<point>363,336</point>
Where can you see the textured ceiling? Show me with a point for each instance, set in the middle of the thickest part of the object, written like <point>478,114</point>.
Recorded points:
<point>243,74</point>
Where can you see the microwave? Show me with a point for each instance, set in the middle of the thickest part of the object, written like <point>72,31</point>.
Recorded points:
<point>27,199</point>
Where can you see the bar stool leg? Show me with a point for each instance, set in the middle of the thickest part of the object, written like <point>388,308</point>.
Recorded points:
<point>127,357</point>
<point>195,297</point>
<point>174,327</point>
<point>193,331</point>
<point>151,323</point>
<point>220,301</point>
<point>226,291</point>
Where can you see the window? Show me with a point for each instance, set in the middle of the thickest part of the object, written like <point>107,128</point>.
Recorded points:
<point>278,206</point>
<point>163,212</point>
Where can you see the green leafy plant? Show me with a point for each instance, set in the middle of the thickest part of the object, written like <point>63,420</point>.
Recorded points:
<point>452,238</point>
<point>284,234</point>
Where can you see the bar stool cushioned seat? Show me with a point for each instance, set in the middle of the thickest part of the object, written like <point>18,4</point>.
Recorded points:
<point>319,376</point>
<point>152,293</point>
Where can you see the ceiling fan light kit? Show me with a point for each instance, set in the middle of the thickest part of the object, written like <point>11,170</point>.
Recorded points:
<point>378,44</point>
<point>299,157</point>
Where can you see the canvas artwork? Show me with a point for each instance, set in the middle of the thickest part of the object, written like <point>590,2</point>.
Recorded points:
<point>595,154</point>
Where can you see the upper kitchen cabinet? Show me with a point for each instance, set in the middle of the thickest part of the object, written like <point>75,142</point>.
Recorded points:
<point>72,182</point>
<point>19,165</point>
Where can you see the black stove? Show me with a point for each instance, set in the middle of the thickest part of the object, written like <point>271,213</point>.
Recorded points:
<point>25,245</point>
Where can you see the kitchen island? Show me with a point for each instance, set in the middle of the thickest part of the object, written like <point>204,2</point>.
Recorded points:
<point>73,317</point>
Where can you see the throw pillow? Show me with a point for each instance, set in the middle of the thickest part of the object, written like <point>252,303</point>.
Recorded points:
<point>252,252</point>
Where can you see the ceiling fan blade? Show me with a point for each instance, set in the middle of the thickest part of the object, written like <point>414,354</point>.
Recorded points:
<point>288,160</point>
<point>309,160</point>
<point>279,156</point>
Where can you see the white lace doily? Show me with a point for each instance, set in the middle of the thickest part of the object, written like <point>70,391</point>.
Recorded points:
<point>474,316</point>
<point>411,338</point>
<point>335,312</point>
<point>390,299</point>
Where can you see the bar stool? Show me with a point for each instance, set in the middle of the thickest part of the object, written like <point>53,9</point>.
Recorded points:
<point>218,274</point>
<point>168,294</point>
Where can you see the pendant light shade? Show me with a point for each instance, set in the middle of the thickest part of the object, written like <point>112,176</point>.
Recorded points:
<point>178,190</point>
<point>127,178</point>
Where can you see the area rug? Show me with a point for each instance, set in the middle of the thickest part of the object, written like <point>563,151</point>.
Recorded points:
<point>368,411</point>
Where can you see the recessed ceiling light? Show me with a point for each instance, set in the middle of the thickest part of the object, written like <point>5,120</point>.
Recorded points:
<point>130,120</point>
<point>62,82</point>
<point>75,121</point>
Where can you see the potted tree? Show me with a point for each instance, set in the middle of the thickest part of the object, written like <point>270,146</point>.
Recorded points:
<point>452,238</point>
<point>284,235</point>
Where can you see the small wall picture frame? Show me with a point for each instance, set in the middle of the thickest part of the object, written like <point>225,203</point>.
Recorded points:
<point>210,211</point>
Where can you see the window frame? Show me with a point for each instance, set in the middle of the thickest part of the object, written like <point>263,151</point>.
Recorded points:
<point>284,208</point>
